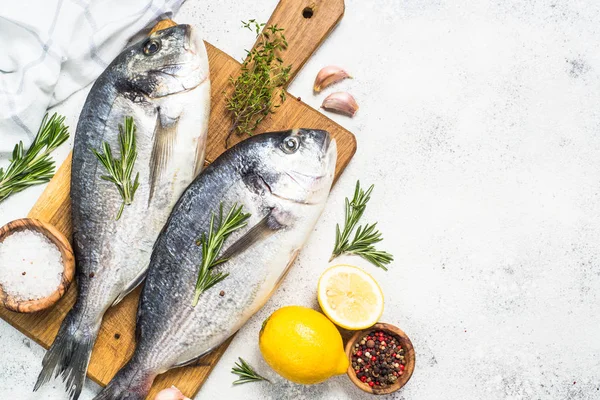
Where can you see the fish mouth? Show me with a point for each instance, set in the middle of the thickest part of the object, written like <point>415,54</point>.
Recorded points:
<point>191,40</point>
<point>173,70</point>
<point>189,44</point>
<point>331,152</point>
<point>270,190</point>
<point>297,174</point>
<point>326,143</point>
<point>185,87</point>
<point>188,73</point>
<point>328,157</point>
<point>189,80</point>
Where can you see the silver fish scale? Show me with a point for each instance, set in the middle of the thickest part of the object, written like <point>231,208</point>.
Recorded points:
<point>115,251</point>
<point>111,255</point>
<point>171,330</point>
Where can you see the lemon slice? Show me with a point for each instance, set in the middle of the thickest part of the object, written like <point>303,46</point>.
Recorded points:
<point>350,297</point>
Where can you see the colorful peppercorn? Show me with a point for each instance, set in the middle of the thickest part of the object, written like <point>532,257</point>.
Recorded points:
<point>378,359</point>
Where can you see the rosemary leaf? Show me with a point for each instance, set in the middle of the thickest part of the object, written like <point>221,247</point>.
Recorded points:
<point>263,74</point>
<point>212,242</point>
<point>120,170</point>
<point>34,166</point>
<point>246,373</point>
<point>366,236</point>
<point>362,245</point>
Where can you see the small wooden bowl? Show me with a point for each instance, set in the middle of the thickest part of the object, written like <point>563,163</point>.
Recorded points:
<point>56,237</point>
<point>409,354</point>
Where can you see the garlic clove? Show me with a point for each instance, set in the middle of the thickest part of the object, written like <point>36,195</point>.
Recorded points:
<point>328,76</point>
<point>171,393</point>
<point>341,102</point>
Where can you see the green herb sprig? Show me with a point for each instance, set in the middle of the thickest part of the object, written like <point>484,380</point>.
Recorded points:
<point>246,373</point>
<point>365,237</point>
<point>211,247</point>
<point>263,74</point>
<point>34,166</point>
<point>120,170</point>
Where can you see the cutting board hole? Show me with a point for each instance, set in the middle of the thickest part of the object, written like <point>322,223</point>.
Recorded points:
<point>117,336</point>
<point>307,12</point>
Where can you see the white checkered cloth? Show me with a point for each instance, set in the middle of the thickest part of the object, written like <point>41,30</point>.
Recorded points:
<point>53,48</point>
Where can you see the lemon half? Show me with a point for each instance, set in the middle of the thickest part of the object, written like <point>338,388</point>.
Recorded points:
<point>350,297</point>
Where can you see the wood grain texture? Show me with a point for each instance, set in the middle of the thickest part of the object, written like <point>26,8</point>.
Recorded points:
<point>307,23</point>
<point>115,342</point>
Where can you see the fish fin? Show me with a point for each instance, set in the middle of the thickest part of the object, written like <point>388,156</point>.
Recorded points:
<point>69,355</point>
<point>130,383</point>
<point>293,257</point>
<point>262,230</point>
<point>200,156</point>
<point>140,310</point>
<point>196,361</point>
<point>134,283</point>
<point>164,138</point>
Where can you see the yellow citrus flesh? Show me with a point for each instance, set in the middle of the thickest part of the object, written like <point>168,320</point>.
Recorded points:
<point>350,297</point>
<point>302,345</point>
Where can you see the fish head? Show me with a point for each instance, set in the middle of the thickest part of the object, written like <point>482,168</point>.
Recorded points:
<point>298,165</point>
<point>168,61</point>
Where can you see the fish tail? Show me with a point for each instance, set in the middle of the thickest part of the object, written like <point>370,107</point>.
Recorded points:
<point>69,355</point>
<point>130,383</point>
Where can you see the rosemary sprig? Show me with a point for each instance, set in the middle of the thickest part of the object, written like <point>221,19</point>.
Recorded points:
<point>120,170</point>
<point>246,373</point>
<point>34,166</point>
<point>365,237</point>
<point>211,247</point>
<point>263,74</point>
<point>354,210</point>
<point>362,245</point>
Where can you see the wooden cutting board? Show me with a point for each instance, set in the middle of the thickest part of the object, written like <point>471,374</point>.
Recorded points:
<point>306,23</point>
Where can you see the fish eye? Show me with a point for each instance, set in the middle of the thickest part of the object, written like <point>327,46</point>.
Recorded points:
<point>151,47</point>
<point>290,145</point>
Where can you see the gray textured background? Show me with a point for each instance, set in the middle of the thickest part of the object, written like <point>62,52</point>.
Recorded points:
<point>480,127</point>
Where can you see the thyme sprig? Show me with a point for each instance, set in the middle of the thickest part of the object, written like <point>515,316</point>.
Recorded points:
<point>120,170</point>
<point>34,166</point>
<point>212,242</point>
<point>246,373</point>
<point>257,91</point>
<point>366,236</point>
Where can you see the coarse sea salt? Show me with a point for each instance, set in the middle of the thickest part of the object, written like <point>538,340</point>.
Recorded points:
<point>31,265</point>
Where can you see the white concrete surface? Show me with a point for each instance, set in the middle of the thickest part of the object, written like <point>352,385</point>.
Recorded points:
<point>480,128</point>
